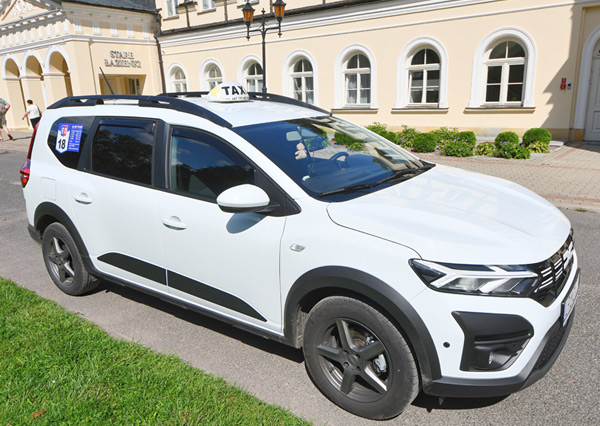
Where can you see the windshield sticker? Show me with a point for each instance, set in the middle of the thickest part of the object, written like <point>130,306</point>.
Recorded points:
<point>68,137</point>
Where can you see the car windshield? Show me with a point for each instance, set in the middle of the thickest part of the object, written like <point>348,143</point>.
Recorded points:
<point>332,159</point>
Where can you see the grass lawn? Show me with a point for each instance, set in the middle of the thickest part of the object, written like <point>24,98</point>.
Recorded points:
<point>57,368</point>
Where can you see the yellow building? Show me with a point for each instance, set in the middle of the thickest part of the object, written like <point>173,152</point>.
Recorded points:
<point>52,49</point>
<point>482,65</point>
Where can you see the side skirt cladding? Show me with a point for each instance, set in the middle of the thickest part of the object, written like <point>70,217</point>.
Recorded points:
<point>332,280</point>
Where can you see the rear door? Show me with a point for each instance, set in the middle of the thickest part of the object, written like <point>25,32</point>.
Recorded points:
<point>115,203</point>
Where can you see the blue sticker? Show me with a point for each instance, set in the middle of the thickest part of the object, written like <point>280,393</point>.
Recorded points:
<point>68,138</point>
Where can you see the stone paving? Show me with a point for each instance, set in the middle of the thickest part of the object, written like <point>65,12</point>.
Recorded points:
<point>569,176</point>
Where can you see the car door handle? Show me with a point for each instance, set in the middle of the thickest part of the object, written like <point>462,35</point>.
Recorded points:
<point>174,223</point>
<point>83,198</point>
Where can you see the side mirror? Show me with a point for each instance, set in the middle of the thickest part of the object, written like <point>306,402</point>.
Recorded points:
<point>243,199</point>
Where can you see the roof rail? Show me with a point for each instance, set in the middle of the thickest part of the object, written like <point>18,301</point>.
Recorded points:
<point>145,101</point>
<point>256,96</point>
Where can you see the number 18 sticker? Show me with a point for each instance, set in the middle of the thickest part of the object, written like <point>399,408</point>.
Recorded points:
<point>62,139</point>
<point>68,137</point>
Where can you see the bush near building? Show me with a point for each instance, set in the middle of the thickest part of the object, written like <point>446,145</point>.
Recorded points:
<point>486,148</point>
<point>508,146</point>
<point>457,148</point>
<point>425,142</point>
<point>536,135</point>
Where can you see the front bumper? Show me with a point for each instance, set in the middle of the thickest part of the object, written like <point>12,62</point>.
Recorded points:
<point>540,363</point>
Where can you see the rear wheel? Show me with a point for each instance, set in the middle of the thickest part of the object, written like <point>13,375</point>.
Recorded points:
<point>359,359</point>
<point>64,263</point>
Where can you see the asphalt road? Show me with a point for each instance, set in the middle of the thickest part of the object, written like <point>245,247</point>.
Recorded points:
<point>569,394</point>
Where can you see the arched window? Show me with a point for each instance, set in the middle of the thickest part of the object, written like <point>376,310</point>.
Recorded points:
<point>424,77</point>
<point>254,77</point>
<point>505,73</point>
<point>178,80</point>
<point>213,76</point>
<point>504,70</point>
<point>303,80</point>
<point>357,77</point>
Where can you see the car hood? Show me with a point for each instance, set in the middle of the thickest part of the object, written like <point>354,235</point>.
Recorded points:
<point>455,216</point>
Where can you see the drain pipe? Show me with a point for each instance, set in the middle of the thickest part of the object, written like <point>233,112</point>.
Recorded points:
<point>159,50</point>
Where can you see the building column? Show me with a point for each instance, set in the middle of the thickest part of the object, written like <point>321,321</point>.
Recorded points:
<point>14,96</point>
<point>56,87</point>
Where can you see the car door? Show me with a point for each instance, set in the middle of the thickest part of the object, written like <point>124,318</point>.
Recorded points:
<point>227,263</point>
<point>115,203</point>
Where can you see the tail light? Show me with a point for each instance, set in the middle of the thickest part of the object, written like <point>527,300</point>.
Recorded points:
<point>25,169</point>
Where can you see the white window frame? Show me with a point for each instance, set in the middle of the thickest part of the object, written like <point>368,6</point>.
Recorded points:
<point>505,64</point>
<point>206,66</point>
<point>208,5</point>
<point>287,70</point>
<point>244,67</point>
<point>174,83</point>
<point>479,76</point>
<point>404,63</point>
<point>340,77</point>
<point>171,8</point>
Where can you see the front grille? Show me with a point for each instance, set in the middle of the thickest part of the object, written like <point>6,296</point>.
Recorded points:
<point>553,273</point>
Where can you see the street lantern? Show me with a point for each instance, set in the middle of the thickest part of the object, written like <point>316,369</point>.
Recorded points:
<point>248,11</point>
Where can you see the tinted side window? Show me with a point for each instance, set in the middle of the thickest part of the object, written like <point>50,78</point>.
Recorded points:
<point>123,149</point>
<point>68,145</point>
<point>203,166</point>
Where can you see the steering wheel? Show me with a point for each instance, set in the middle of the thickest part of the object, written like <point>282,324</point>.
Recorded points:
<point>339,155</point>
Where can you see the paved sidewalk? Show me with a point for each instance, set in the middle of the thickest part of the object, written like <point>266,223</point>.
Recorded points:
<point>569,176</point>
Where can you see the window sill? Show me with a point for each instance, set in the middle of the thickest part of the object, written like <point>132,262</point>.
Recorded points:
<point>500,108</point>
<point>420,109</point>
<point>171,18</point>
<point>212,9</point>
<point>355,110</point>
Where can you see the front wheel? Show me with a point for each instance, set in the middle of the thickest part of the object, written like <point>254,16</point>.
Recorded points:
<point>359,359</point>
<point>64,263</point>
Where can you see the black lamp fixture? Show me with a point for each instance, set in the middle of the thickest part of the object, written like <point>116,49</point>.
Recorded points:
<point>248,11</point>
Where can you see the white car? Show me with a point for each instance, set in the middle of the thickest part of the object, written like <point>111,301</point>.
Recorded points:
<point>393,274</point>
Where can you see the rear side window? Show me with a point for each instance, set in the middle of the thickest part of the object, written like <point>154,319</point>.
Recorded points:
<point>202,166</point>
<point>67,139</point>
<point>123,149</point>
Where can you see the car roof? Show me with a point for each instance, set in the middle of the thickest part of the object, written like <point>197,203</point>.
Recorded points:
<point>255,111</point>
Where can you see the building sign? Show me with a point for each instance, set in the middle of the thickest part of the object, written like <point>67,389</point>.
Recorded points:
<point>122,58</point>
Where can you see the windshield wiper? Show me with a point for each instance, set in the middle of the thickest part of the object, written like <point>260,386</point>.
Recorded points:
<point>396,174</point>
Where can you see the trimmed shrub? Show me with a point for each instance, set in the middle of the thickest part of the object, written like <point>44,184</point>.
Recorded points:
<point>445,134</point>
<point>485,148</point>
<point>507,137</point>
<point>536,135</point>
<point>349,141</point>
<point>457,148</point>
<point>381,130</point>
<point>507,149</point>
<point>406,137</point>
<point>468,137</point>
<point>425,142</point>
<point>539,147</point>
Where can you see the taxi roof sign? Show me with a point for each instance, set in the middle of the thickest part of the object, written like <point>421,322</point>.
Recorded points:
<point>228,91</point>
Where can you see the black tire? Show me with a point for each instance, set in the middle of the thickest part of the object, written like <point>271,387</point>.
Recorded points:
<point>359,359</point>
<point>64,263</point>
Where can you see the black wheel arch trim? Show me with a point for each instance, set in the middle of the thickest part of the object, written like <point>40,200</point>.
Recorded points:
<point>337,278</point>
<point>59,215</point>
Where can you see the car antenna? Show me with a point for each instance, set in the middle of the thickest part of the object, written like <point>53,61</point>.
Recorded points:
<point>107,83</point>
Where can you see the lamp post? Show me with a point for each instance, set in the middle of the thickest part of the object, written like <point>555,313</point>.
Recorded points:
<point>248,12</point>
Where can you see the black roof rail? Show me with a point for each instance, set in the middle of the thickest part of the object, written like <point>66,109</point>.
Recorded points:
<point>256,96</point>
<point>145,101</point>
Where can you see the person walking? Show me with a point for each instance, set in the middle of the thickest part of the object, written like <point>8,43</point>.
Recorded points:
<point>34,113</point>
<point>4,107</point>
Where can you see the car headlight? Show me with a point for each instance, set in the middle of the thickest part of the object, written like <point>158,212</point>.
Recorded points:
<point>497,280</point>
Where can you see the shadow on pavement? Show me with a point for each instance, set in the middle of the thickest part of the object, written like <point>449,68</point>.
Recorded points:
<point>431,403</point>
<point>201,320</point>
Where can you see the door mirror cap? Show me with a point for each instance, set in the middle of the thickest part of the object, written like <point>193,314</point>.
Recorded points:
<point>243,199</point>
